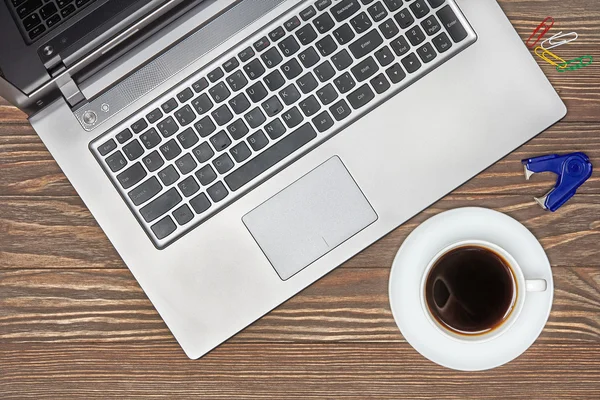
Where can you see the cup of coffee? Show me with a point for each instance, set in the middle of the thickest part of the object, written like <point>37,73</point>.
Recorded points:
<point>475,290</point>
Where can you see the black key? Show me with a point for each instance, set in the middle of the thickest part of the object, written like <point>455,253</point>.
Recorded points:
<point>48,10</point>
<point>324,23</point>
<point>186,164</point>
<point>167,127</point>
<point>419,8</point>
<point>116,161</point>
<point>431,25</point>
<point>345,9</point>
<point>415,35</point>
<point>132,175</point>
<point>206,175</point>
<point>384,56</point>
<point>310,106</point>
<point>307,83</point>
<point>380,83</point>
<point>292,24</point>
<point>200,85</point>
<point>107,147</point>
<point>53,20</point>
<point>326,46</point>
<point>345,82</point>
<point>272,57</point>
<point>308,13</point>
<point>239,103</point>
<point>150,138</point>
<point>139,126</point>
<point>203,153</point>
<point>215,75</point>
<point>37,31</point>
<point>274,80</point>
<point>270,157</point>
<point>292,69</point>
<point>32,21</point>
<point>292,117</point>
<point>257,92</point>
<point>185,115</point>
<point>255,118</point>
<point>145,191</point>
<point>365,69</point>
<point>290,94</point>
<point>342,60</point>
<point>361,96</point>
<point>246,54</point>
<point>389,29</point>
<point>411,63</point>
<point>366,44</point>
<point>169,106</point>
<point>183,215</point>
<point>188,186</point>
<point>187,138</point>
<point>400,46</point>
<point>164,228</point>
<point>452,24</point>
<point>223,163</point>
<point>170,150</point>
<point>275,129</point>
<point>262,44</point>
<point>395,73</point>
<point>219,92</point>
<point>340,110</point>
<point>393,5</point>
<point>306,34</point>
<point>185,95</point>
<point>240,152</point>
<point>238,129</point>
<point>377,11</point>
<point>231,64</point>
<point>133,150</point>
<point>427,53</point>
<point>276,34</point>
<point>168,176</point>
<point>327,94</point>
<point>154,115</point>
<point>222,115</point>
<point>323,121</point>
<point>161,205</point>
<point>404,18</point>
<point>254,69</point>
<point>435,3</point>
<point>220,141</point>
<point>442,42</point>
<point>272,106</point>
<point>258,140</point>
<point>322,4</point>
<point>28,7</point>
<point>289,46</point>
<point>200,203</point>
<point>217,192</point>
<point>361,23</point>
<point>205,126</point>
<point>309,57</point>
<point>237,81</point>
<point>65,12</point>
<point>124,136</point>
<point>153,161</point>
<point>324,71</point>
<point>344,34</point>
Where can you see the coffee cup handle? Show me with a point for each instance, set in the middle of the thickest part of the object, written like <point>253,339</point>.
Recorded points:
<point>536,285</point>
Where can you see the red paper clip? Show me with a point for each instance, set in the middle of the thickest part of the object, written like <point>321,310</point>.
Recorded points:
<point>544,28</point>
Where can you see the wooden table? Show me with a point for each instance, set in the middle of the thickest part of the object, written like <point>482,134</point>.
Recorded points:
<point>75,324</point>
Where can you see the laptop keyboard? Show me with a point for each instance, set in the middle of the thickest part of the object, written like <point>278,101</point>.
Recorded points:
<point>201,146</point>
<point>36,17</point>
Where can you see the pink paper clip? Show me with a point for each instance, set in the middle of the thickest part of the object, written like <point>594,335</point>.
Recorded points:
<point>540,31</point>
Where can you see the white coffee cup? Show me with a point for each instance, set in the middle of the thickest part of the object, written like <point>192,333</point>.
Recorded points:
<point>521,286</point>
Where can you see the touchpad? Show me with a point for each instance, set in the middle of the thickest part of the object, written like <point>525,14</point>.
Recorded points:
<point>309,218</point>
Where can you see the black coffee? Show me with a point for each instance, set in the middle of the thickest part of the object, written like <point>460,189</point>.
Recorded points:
<point>470,290</point>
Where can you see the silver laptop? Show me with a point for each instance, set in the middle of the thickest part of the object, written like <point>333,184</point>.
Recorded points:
<point>235,151</point>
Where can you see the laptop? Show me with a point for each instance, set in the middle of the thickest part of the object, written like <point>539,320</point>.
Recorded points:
<point>236,151</point>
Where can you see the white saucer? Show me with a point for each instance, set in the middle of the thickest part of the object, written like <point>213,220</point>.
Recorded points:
<point>424,243</point>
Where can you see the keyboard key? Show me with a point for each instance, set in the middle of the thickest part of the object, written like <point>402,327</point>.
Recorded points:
<point>205,176</point>
<point>442,42</point>
<point>258,140</point>
<point>185,115</point>
<point>168,127</point>
<point>276,34</point>
<point>427,53</point>
<point>239,103</point>
<point>400,46</point>
<point>219,92</point>
<point>37,31</point>
<point>188,186</point>
<point>203,153</point>
<point>322,4</point>
<point>272,106</point>
<point>187,138</point>
<point>124,136</point>
<point>344,34</point>
<point>274,80</point>
<point>240,152</point>
<point>289,46</point>
<point>306,34</point>
<point>170,150</point>
<point>186,164</point>
<point>324,23</point>
<point>139,126</point>
<point>308,13</point>
<point>150,138</point>
<point>164,228</point>
<point>154,115</point>
<point>389,29</point>
<point>431,25</point>
<point>238,129</point>
<point>32,21</point>
<point>222,115</point>
<point>270,157</point>
<point>65,12</point>
<point>205,126</point>
<point>292,117</point>
<point>404,18</point>
<point>380,83</point>
<point>345,9</point>
<point>200,203</point>
<point>365,69</point>
<point>220,141</point>
<point>53,20</point>
<point>185,95</point>
<point>255,118</point>
<point>237,81</point>
<point>327,94</point>
<point>246,54</point>
<point>168,176</point>
<point>411,63</point>
<point>361,23</point>
<point>310,106</point>
<point>290,94</point>
<point>292,69</point>
<point>202,104</point>
<point>366,44</point>
<point>309,57</point>
<point>215,75</point>
<point>183,215</point>
<point>419,8</point>
<point>377,11</point>
<point>254,69</point>
<point>292,24</point>
<point>169,106</point>
<point>145,191</point>
<point>116,161</point>
<point>395,73</point>
<point>325,71</point>
<point>435,3</point>
<point>28,7</point>
<point>223,163</point>
<point>340,110</point>
<point>384,56</point>
<point>262,44</point>
<point>272,57</point>
<point>323,121</point>
<point>200,85</point>
<point>344,82</point>
<point>342,60</point>
<point>361,96</point>
<point>231,64</point>
<point>218,191</point>
<point>326,46</point>
<point>132,175</point>
<point>415,35</point>
<point>160,205</point>
<point>275,129</point>
<point>153,161</point>
<point>257,92</point>
<point>133,150</point>
<point>107,147</point>
<point>307,83</point>
<point>393,5</point>
<point>452,24</point>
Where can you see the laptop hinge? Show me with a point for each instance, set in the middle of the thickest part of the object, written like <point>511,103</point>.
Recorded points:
<point>70,91</point>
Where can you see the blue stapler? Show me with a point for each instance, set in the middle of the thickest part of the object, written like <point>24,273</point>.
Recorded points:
<point>572,170</point>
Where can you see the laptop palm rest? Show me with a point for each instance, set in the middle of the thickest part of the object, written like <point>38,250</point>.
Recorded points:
<point>309,218</point>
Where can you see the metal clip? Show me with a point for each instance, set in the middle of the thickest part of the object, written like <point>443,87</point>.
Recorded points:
<point>554,60</point>
<point>572,170</point>
<point>541,30</point>
<point>575,64</point>
<point>551,41</point>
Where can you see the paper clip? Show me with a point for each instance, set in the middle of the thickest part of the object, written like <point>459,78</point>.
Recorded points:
<point>541,30</point>
<point>575,64</point>
<point>555,60</point>
<point>573,36</point>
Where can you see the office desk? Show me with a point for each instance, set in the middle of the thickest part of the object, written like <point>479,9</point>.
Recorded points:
<point>74,323</point>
